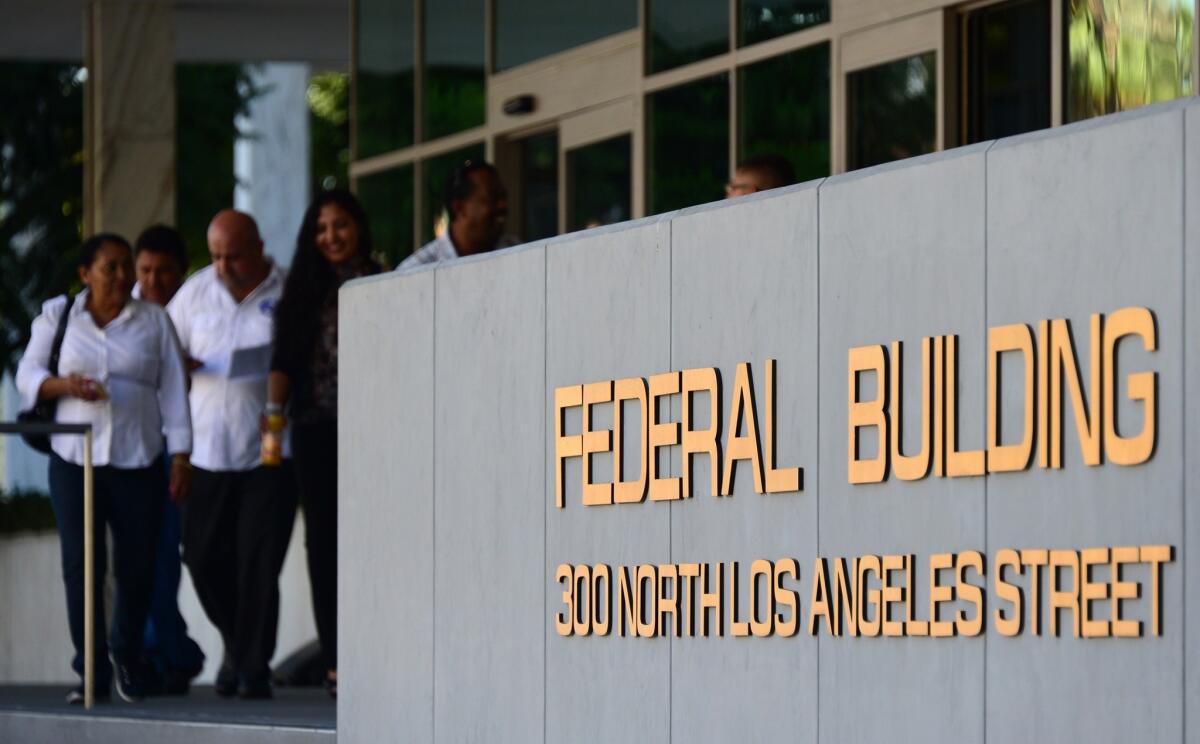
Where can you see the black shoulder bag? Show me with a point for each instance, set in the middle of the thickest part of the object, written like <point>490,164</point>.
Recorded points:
<point>43,411</point>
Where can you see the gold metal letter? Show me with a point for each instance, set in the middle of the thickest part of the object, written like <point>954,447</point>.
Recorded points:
<point>564,446</point>
<point>779,480</point>
<point>1009,457</point>
<point>744,447</point>
<point>703,441</point>
<point>871,413</point>
<point>662,435</point>
<point>911,467</point>
<point>1090,591</point>
<point>1156,555</point>
<point>630,492</point>
<point>595,442</point>
<point>1060,600</point>
<point>969,593</point>
<point>786,626</point>
<point>965,462</point>
<point>1087,423</point>
<point>1011,625</point>
<point>1137,449</point>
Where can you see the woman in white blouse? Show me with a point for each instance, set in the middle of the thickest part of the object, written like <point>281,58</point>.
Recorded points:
<point>120,369</point>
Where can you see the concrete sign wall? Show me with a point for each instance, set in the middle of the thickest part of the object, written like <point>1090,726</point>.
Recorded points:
<point>459,625</point>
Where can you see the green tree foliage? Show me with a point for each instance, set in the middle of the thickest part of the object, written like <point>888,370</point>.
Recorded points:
<point>329,129</point>
<point>41,184</point>
<point>1125,54</point>
<point>209,98</point>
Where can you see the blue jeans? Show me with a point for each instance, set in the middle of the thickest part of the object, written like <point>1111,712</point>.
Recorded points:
<point>167,645</point>
<point>129,501</point>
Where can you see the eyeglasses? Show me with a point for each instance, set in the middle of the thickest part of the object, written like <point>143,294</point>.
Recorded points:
<point>734,188</point>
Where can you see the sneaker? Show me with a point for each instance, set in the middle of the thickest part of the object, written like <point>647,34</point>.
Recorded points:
<point>227,680</point>
<point>75,695</point>
<point>128,682</point>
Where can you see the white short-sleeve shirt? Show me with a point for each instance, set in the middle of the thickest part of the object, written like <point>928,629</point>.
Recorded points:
<point>136,358</point>
<point>211,325</point>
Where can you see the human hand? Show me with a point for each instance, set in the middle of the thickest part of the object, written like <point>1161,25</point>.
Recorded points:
<point>84,388</point>
<point>181,478</point>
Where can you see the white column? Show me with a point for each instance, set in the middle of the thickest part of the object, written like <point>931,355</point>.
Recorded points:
<point>271,162</point>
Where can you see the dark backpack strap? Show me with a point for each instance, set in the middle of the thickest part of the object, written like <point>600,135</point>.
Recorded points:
<point>59,334</point>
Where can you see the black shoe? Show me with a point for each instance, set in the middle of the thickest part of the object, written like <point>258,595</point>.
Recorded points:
<point>227,681</point>
<point>177,681</point>
<point>127,681</point>
<point>256,690</point>
<point>75,695</point>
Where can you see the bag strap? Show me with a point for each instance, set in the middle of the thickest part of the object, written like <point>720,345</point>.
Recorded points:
<point>59,334</point>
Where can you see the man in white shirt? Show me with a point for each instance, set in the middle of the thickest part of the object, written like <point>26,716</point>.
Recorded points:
<point>477,205</point>
<point>160,262</point>
<point>238,520</point>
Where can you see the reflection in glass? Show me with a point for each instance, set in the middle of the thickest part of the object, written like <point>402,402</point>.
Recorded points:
<point>436,169</point>
<point>1122,54</point>
<point>784,110</point>
<point>454,78</point>
<point>766,19</point>
<point>601,183</point>
<point>683,31</point>
<point>387,198</point>
<point>688,142</point>
<point>539,187</point>
<point>892,110</point>
<point>531,29</point>
<point>1008,69</point>
<point>384,76</point>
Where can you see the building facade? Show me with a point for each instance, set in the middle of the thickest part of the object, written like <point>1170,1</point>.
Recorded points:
<point>599,111</point>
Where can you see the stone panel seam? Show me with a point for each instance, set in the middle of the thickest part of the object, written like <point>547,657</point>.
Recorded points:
<point>433,522</point>
<point>545,485</point>
<point>817,418</point>
<point>670,505</point>
<point>1187,115</point>
<point>985,483</point>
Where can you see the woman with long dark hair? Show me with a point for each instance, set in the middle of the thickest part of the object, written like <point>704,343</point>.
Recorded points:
<point>334,246</point>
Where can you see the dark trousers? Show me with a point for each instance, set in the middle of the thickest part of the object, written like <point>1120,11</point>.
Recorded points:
<point>129,502</point>
<point>315,446</point>
<point>166,640</point>
<point>236,527</point>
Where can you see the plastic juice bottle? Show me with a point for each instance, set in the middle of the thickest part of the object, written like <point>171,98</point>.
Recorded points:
<point>272,440</point>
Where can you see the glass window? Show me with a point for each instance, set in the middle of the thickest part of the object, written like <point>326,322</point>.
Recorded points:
<point>384,77</point>
<point>892,111</point>
<point>539,187</point>
<point>688,137</point>
<point>1008,70</point>
<point>601,183</point>
<point>454,78</point>
<point>766,19</point>
<point>436,169</point>
<point>387,198</point>
<point>683,31</point>
<point>784,110</point>
<point>531,29</point>
<point>1121,55</point>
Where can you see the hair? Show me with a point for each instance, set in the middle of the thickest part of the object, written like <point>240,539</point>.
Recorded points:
<point>165,240</point>
<point>776,168</point>
<point>311,276</point>
<point>91,246</point>
<point>459,184</point>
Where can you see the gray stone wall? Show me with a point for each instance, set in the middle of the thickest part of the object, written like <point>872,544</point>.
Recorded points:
<point>450,536</point>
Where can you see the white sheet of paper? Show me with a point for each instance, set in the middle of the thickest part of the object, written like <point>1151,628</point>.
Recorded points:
<point>252,361</point>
